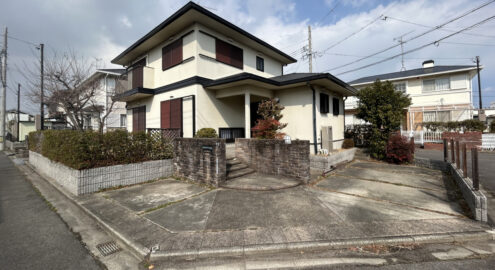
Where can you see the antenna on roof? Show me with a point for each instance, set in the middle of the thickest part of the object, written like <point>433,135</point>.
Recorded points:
<point>401,42</point>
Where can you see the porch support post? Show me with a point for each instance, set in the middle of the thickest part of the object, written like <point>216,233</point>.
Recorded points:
<point>247,115</point>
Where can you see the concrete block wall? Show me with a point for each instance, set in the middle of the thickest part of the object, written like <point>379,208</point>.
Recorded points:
<point>275,157</point>
<point>87,181</point>
<point>475,199</point>
<point>322,164</point>
<point>200,159</point>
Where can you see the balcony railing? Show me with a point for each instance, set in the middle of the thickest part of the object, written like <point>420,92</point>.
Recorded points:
<point>147,80</point>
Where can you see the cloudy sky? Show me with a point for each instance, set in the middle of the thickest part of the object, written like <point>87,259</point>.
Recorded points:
<point>343,31</point>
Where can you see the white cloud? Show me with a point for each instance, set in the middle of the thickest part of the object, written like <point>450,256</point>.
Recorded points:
<point>125,21</point>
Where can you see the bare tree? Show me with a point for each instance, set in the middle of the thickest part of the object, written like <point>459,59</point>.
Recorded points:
<point>68,88</point>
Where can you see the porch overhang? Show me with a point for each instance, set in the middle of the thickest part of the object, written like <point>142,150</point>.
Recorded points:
<point>134,94</point>
<point>325,80</point>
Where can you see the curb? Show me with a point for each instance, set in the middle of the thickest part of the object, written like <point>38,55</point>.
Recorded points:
<point>143,252</point>
<point>138,250</point>
<point>325,245</point>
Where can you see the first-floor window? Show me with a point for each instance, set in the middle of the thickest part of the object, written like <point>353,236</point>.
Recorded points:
<point>123,120</point>
<point>139,119</point>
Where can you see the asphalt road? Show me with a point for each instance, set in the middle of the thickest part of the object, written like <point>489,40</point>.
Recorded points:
<point>31,235</point>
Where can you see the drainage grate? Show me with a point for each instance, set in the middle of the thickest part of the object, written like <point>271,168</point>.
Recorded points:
<point>108,248</point>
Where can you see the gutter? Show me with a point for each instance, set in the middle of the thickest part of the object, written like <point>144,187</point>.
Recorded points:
<point>315,145</point>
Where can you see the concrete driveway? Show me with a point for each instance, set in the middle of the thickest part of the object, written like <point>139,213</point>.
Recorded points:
<point>363,201</point>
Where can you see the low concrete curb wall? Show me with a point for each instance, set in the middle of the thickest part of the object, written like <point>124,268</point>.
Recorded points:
<point>475,199</point>
<point>275,157</point>
<point>86,181</point>
<point>201,160</point>
<point>430,164</point>
<point>322,164</point>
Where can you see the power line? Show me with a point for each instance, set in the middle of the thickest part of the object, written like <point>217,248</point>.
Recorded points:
<point>417,36</point>
<point>354,33</point>
<point>24,41</point>
<point>469,44</point>
<point>437,42</point>
<point>329,12</point>
<point>407,58</point>
<point>431,27</point>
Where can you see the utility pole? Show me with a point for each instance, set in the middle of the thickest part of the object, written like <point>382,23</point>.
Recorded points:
<point>479,81</point>
<point>18,109</point>
<point>42,105</point>
<point>310,50</point>
<point>3,104</point>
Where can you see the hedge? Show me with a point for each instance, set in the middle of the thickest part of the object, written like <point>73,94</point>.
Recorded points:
<point>466,125</point>
<point>84,150</point>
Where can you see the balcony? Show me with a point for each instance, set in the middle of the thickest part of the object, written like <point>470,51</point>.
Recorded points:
<point>141,77</point>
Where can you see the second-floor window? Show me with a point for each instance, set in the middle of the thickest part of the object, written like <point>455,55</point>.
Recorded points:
<point>436,85</point>
<point>172,54</point>
<point>260,63</point>
<point>336,106</point>
<point>228,54</point>
<point>324,103</point>
<point>400,87</point>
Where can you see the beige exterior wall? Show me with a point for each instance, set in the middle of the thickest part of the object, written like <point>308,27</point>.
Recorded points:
<point>25,128</point>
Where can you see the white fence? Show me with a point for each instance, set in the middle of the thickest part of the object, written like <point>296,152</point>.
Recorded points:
<point>488,141</point>
<point>420,137</point>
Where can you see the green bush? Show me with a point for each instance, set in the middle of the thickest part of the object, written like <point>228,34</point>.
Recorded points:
<point>348,143</point>
<point>83,150</point>
<point>206,133</point>
<point>453,126</point>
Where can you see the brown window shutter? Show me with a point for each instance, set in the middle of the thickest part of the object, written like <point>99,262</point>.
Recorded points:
<point>172,54</point>
<point>222,51</point>
<point>236,57</point>
<point>135,120</point>
<point>139,119</point>
<point>142,119</point>
<point>165,114</point>
<point>137,73</point>
<point>176,113</point>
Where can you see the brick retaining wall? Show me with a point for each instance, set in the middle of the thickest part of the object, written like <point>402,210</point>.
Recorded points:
<point>275,157</point>
<point>200,160</point>
<point>85,181</point>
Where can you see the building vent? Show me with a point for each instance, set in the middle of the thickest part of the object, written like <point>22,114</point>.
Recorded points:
<point>428,64</point>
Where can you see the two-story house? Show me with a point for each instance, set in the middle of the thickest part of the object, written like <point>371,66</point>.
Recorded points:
<point>196,70</point>
<point>105,83</point>
<point>438,93</point>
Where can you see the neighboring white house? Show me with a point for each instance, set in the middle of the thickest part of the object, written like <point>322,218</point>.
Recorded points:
<point>196,70</point>
<point>438,93</point>
<point>107,83</point>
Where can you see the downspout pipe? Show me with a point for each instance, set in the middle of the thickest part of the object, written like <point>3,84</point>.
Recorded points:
<point>315,144</point>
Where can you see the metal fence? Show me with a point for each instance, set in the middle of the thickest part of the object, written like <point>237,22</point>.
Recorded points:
<point>488,141</point>
<point>420,137</point>
<point>166,133</point>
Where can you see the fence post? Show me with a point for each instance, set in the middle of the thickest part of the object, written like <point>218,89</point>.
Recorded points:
<point>445,150</point>
<point>457,154</point>
<point>452,152</point>
<point>474,160</point>
<point>464,160</point>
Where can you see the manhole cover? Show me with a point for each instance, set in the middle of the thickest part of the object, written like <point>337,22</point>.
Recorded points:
<point>108,248</point>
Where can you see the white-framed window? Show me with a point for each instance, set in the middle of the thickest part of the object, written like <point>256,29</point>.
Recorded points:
<point>123,120</point>
<point>401,86</point>
<point>436,116</point>
<point>439,84</point>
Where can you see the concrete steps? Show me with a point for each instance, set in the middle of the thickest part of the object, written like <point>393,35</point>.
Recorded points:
<point>235,168</point>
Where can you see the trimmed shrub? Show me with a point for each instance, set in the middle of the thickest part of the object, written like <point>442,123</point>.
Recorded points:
<point>399,149</point>
<point>348,143</point>
<point>206,133</point>
<point>84,150</point>
<point>452,126</point>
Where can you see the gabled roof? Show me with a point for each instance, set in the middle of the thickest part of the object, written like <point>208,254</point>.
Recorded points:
<point>419,72</point>
<point>115,71</point>
<point>198,14</point>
